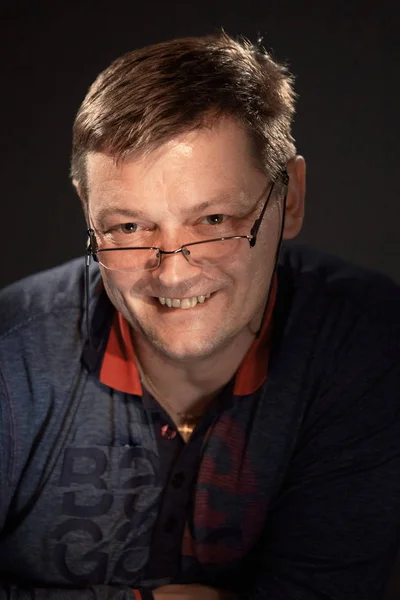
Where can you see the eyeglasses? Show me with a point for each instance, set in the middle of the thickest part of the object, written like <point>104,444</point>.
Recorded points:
<point>202,254</point>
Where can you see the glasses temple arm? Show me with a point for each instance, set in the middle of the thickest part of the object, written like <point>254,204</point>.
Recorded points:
<point>257,223</point>
<point>91,245</point>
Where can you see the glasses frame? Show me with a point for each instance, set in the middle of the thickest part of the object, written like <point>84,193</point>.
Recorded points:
<point>93,250</point>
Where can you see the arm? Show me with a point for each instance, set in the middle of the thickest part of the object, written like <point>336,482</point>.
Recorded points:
<point>334,530</point>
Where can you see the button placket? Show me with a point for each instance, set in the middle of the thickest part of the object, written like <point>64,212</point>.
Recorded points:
<point>168,432</point>
<point>177,480</point>
<point>170,524</point>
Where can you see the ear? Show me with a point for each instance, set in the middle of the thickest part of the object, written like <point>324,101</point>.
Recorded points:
<point>294,216</point>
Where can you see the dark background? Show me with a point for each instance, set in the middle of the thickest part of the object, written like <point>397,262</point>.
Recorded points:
<point>345,56</point>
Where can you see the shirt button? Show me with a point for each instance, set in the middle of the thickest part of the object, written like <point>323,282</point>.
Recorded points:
<point>167,432</point>
<point>177,480</point>
<point>170,524</point>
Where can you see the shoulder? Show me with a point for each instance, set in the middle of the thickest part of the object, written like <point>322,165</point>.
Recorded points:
<point>331,272</point>
<point>42,294</point>
<point>316,275</point>
<point>347,316</point>
<point>344,325</point>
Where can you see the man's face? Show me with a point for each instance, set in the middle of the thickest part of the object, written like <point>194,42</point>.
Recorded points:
<point>200,185</point>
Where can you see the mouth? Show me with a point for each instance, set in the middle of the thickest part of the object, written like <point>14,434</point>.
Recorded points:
<point>183,303</point>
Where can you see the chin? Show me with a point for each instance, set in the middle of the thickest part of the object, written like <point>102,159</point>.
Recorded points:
<point>186,348</point>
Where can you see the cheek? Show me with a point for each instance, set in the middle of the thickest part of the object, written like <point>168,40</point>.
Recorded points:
<point>124,281</point>
<point>118,285</point>
<point>243,284</point>
<point>256,273</point>
<point>245,268</point>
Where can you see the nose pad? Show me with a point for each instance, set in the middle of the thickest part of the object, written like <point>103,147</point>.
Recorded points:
<point>158,258</point>
<point>186,253</point>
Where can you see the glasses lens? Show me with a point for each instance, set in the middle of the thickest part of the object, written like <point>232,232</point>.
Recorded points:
<point>211,253</point>
<point>131,259</point>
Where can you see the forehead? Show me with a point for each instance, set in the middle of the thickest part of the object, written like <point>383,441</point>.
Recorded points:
<point>199,164</point>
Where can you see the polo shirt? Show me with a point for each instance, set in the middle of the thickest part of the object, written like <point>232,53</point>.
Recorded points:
<point>179,462</point>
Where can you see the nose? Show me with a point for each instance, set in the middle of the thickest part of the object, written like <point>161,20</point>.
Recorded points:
<point>175,271</point>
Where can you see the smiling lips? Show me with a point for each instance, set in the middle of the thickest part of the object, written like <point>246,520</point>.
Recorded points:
<point>184,302</point>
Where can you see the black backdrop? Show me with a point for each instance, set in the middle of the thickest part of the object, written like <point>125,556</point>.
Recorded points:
<point>345,57</point>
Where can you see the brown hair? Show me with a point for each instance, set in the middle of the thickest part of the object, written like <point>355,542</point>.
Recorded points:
<point>150,95</point>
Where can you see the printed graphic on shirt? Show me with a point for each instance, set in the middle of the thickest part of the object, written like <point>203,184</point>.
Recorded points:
<point>109,505</point>
<point>228,509</point>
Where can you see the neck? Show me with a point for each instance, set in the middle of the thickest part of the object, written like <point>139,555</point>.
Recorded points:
<point>189,386</point>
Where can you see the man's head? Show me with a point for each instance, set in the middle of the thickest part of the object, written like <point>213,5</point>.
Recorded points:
<point>177,143</point>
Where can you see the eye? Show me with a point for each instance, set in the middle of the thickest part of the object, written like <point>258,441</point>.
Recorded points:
<point>127,227</point>
<point>215,219</point>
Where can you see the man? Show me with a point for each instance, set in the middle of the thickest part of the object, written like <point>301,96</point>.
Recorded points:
<point>207,414</point>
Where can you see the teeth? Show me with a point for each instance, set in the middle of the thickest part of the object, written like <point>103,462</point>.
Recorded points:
<point>184,302</point>
<point>187,302</point>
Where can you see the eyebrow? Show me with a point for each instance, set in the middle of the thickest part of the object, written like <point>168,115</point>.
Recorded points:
<point>114,210</point>
<point>106,211</point>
